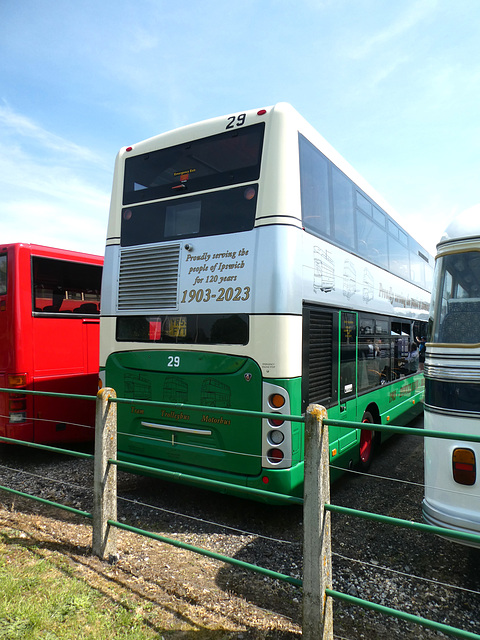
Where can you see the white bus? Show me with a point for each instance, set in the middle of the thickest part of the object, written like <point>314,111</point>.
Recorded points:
<point>452,372</point>
<point>249,266</point>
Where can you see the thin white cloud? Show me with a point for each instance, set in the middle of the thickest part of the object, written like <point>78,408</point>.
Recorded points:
<point>24,172</point>
<point>415,14</point>
<point>23,128</point>
<point>51,188</point>
<point>381,73</point>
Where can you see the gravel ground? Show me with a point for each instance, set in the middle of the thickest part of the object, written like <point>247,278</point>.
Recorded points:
<point>202,596</point>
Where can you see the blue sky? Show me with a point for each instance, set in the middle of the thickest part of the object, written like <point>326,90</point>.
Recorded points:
<point>393,86</point>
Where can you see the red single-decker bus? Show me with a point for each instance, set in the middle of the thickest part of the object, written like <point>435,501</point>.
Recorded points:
<point>49,341</point>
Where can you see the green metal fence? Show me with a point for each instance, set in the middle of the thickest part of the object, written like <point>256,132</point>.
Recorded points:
<point>317,582</point>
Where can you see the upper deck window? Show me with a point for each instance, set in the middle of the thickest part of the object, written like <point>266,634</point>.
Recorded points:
<point>204,214</point>
<point>334,208</point>
<point>208,163</point>
<point>456,299</point>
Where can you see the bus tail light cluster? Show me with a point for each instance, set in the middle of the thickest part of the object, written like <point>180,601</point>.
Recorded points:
<point>17,402</point>
<point>464,466</point>
<point>277,432</point>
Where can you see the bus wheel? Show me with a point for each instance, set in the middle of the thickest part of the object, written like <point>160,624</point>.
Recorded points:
<point>367,438</point>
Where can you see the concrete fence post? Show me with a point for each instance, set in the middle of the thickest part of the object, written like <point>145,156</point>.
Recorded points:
<point>317,549</point>
<point>104,543</point>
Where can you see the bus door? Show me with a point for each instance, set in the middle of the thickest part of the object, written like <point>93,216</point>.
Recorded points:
<point>63,354</point>
<point>347,372</point>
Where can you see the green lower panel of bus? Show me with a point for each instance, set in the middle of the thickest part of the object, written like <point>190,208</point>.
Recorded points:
<point>287,482</point>
<point>203,437</point>
<point>219,445</point>
<point>207,442</point>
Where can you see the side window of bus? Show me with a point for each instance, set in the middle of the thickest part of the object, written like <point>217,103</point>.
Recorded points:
<point>368,371</point>
<point>457,298</point>
<point>371,235</point>
<point>348,349</point>
<point>398,251</point>
<point>334,208</point>
<point>404,352</point>
<point>314,188</point>
<point>3,274</point>
<point>387,351</point>
<point>61,286</point>
<point>420,267</point>
<point>382,347</point>
<point>342,192</point>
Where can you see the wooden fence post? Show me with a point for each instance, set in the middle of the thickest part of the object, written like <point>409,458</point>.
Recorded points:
<point>317,549</point>
<point>104,537</point>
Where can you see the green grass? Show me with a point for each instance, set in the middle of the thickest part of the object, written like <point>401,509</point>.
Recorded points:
<point>42,598</point>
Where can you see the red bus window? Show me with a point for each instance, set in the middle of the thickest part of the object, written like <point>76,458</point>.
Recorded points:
<point>61,286</point>
<point>3,274</point>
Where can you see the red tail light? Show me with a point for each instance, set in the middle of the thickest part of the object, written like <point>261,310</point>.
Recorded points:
<point>274,422</point>
<point>464,466</point>
<point>275,455</point>
<point>17,403</point>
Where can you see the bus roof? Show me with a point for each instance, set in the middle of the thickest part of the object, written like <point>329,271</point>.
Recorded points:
<point>464,226</point>
<point>52,252</point>
<point>279,111</point>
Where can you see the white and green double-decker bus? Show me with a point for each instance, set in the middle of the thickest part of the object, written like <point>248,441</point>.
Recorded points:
<point>248,266</point>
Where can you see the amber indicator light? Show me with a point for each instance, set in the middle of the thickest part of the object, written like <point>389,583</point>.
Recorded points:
<point>276,401</point>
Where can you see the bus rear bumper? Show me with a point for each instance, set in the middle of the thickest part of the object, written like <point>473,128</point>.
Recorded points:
<point>282,483</point>
<point>17,431</point>
<point>437,518</point>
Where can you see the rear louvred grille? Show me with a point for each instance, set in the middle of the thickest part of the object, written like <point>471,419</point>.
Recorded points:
<point>320,361</point>
<point>148,278</point>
